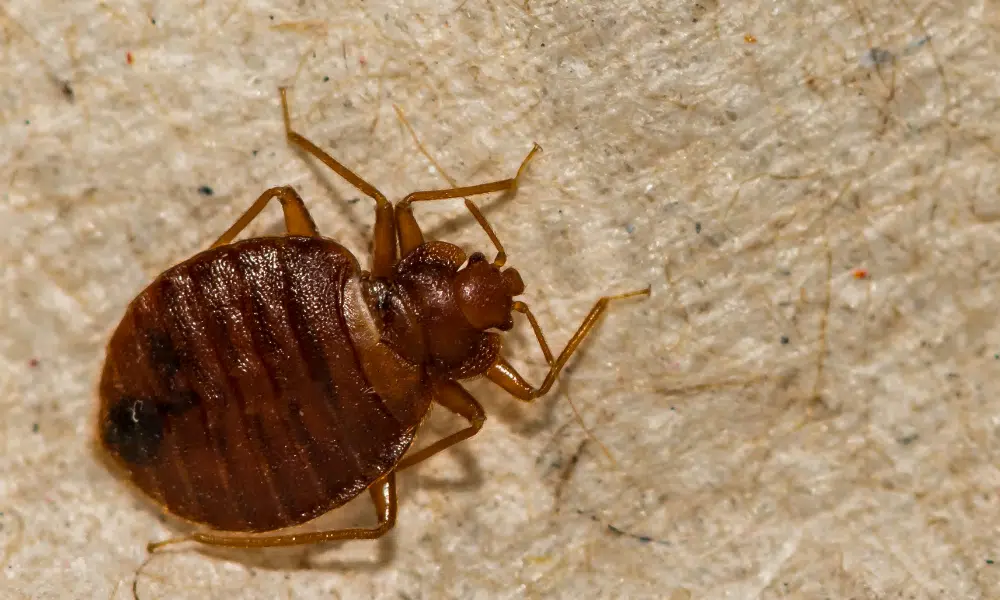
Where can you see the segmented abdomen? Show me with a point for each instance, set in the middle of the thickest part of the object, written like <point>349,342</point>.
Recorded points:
<point>232,393</point>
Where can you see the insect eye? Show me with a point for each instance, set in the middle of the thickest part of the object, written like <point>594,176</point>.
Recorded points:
<point>515,286</point>
<point>477,257</point>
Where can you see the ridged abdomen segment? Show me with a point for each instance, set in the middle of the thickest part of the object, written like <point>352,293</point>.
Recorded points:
<point>232,393</point>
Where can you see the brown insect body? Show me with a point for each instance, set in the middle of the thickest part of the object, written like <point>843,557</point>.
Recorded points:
<point>252,388</point>
<point>264,382</point>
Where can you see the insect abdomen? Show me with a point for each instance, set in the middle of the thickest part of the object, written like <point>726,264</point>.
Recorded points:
<point>234,395</point>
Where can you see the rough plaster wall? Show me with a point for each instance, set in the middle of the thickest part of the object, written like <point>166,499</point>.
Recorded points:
<point>803,409</point>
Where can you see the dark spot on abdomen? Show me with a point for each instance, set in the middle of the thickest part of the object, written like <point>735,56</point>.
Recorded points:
<point>133,430</point>
<point>162,353</point>
<point>172,373</point>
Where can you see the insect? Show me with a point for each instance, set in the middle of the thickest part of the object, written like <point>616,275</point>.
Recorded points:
<point>264,382</point>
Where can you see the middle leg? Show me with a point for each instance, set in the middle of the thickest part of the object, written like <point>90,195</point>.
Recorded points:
<point>452,396</point>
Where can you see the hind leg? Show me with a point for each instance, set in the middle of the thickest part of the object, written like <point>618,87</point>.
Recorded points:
<point>383,493</point>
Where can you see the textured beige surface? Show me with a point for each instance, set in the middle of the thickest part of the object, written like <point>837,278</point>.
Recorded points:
<point>805,408</point>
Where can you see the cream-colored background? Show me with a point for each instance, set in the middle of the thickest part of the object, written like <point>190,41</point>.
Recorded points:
<point>746,159</point>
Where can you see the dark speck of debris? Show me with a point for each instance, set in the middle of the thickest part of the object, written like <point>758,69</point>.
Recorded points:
<point>326,78</point>
<point>255,152</point>
<point>630,228</point>
<point>27,122</point>
<point>152,20</point>
<point>205,190</point>
<point>645,539</point>
<point>67,91</point>
<point>271,17</point>
<point>697,227</point>
<point>997,356</point>
<point>906,440</point>
<point>34,428</point>
<point>989,561</point>
<point>642,538</point>
<point>353,200</point>
<point>33,363</point>
<point>784,339</point>
<point>876,56</point>
<point>916,44</point>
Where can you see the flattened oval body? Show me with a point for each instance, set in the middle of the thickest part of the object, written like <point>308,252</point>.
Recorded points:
<point>234,396</point>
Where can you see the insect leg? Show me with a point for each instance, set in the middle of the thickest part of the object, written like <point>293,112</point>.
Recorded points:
<point>384,251</point>
<point>383,493</point>
<point>504,375</point>
<point>297,218</point>
<point>452,396</point>
<point>409,232</point>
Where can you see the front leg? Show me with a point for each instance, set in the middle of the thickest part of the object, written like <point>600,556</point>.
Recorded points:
<point>409,232</point>
<point>504,375</point>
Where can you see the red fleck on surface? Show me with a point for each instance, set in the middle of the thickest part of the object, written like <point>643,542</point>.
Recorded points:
<point>129,58</point>
<point>33,363</point>
<point>750,38</point>
<point>861,273</point>
<point>363,61</point>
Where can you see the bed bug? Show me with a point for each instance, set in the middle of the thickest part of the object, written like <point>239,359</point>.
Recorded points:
<point>266,381</point>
